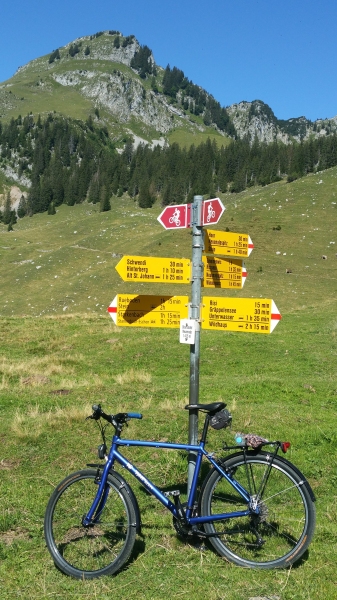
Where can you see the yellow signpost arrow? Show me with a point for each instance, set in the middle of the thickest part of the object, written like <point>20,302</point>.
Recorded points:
<point>155,270</point>
<point>228,243</point>
<point>252,315</point>
<point>148,311</point>
<point>224,273</point>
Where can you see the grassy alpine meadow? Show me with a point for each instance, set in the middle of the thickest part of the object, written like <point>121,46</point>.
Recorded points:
<point>61,352</point>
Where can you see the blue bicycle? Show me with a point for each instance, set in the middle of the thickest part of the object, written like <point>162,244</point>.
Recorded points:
<point>254,507</point>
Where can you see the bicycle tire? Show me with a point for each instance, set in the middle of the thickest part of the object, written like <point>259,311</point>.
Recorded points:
<point>286,521</point>
<point>94,551</point>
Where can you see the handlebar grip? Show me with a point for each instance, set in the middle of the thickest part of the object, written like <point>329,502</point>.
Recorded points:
<point>133,415</point>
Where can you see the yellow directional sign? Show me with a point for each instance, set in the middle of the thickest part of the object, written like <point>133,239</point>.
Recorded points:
<point>227,242</point>
<point>156,270</point>
<point>148,311</point>
<point>252,315</point>
<point>224,273</point>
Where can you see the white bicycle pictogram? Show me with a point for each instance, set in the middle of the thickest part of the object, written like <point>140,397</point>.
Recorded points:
<point>175,218</point>
<point>211,212</point>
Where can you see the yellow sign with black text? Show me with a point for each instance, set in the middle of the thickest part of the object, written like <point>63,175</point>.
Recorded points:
<point>252,315</point>
<point>153,269</point>
<point>148,311</point>
<point>228,243</point>
<point>223,273</point>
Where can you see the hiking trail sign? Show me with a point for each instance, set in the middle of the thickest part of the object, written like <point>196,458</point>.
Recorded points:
<point>228,243</point>
<point>148,311</point>
<point>154,270</point>
<point>252,315</point>
<point>223,273</point>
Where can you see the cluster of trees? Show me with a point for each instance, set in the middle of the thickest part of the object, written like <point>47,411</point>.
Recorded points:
<point>143,62</point>
<point>74,49</point>
<point>55,55</point>
<point>97,35</point>
<point>69,162</point>
<point>176,174</point>
<point>66,161</point>
<point>123,41</point>
<point>196,100</point>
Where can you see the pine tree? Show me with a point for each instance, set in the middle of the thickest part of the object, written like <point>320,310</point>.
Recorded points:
<point>94,190</point>
<point>145,199</point>
<point>7,213</point>
<point>22,208</point>
<point>105,199</point>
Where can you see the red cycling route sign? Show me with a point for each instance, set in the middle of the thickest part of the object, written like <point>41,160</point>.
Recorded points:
<point>178,216</point>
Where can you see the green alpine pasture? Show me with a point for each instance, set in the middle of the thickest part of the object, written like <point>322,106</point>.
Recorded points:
<point>61,352</point>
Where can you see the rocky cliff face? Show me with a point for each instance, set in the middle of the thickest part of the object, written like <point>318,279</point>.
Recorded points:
<point>124,97</point>
<point>255,124</point>
<point>256,119</point>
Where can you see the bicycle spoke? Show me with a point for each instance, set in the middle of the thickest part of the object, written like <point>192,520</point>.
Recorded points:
<point>96,549</point>
<point>274,534</point>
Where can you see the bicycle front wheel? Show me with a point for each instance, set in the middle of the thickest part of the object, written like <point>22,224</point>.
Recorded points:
<point>99,549</point>
<point>280,533</point>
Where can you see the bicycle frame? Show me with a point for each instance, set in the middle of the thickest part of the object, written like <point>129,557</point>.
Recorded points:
<point>114,455</point>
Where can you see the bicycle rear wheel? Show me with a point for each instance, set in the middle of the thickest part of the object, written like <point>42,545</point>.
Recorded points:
<point>101,548</point>
<point>280,533</point>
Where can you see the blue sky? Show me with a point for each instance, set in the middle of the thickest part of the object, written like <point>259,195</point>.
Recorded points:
<point>280,51</point>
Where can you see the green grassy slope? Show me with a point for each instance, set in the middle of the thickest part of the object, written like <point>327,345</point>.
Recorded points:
<point>65,262</point>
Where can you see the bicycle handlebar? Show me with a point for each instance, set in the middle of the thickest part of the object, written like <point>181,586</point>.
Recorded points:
<point>98,413</point>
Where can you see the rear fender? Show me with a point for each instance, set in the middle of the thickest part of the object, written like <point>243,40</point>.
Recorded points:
<point>222,462</point>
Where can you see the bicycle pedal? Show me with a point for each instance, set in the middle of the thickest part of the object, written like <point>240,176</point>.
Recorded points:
<point>172,493</point>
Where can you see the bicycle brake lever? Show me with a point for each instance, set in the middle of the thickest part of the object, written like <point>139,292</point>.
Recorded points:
<point>94,416</point>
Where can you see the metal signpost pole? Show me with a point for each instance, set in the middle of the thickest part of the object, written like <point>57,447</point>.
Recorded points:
<point>197,276</point>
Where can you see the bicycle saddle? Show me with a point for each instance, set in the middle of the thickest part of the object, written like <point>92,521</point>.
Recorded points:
<point>214,407</point>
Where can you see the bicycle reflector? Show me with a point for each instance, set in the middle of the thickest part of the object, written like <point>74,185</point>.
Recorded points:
<point>285,446</point>
<point>101,451</point>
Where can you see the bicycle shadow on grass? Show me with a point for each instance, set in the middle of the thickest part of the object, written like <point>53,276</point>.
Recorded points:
<point>194,541</point>
<point>181,487</point>
<point>137,550</point>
